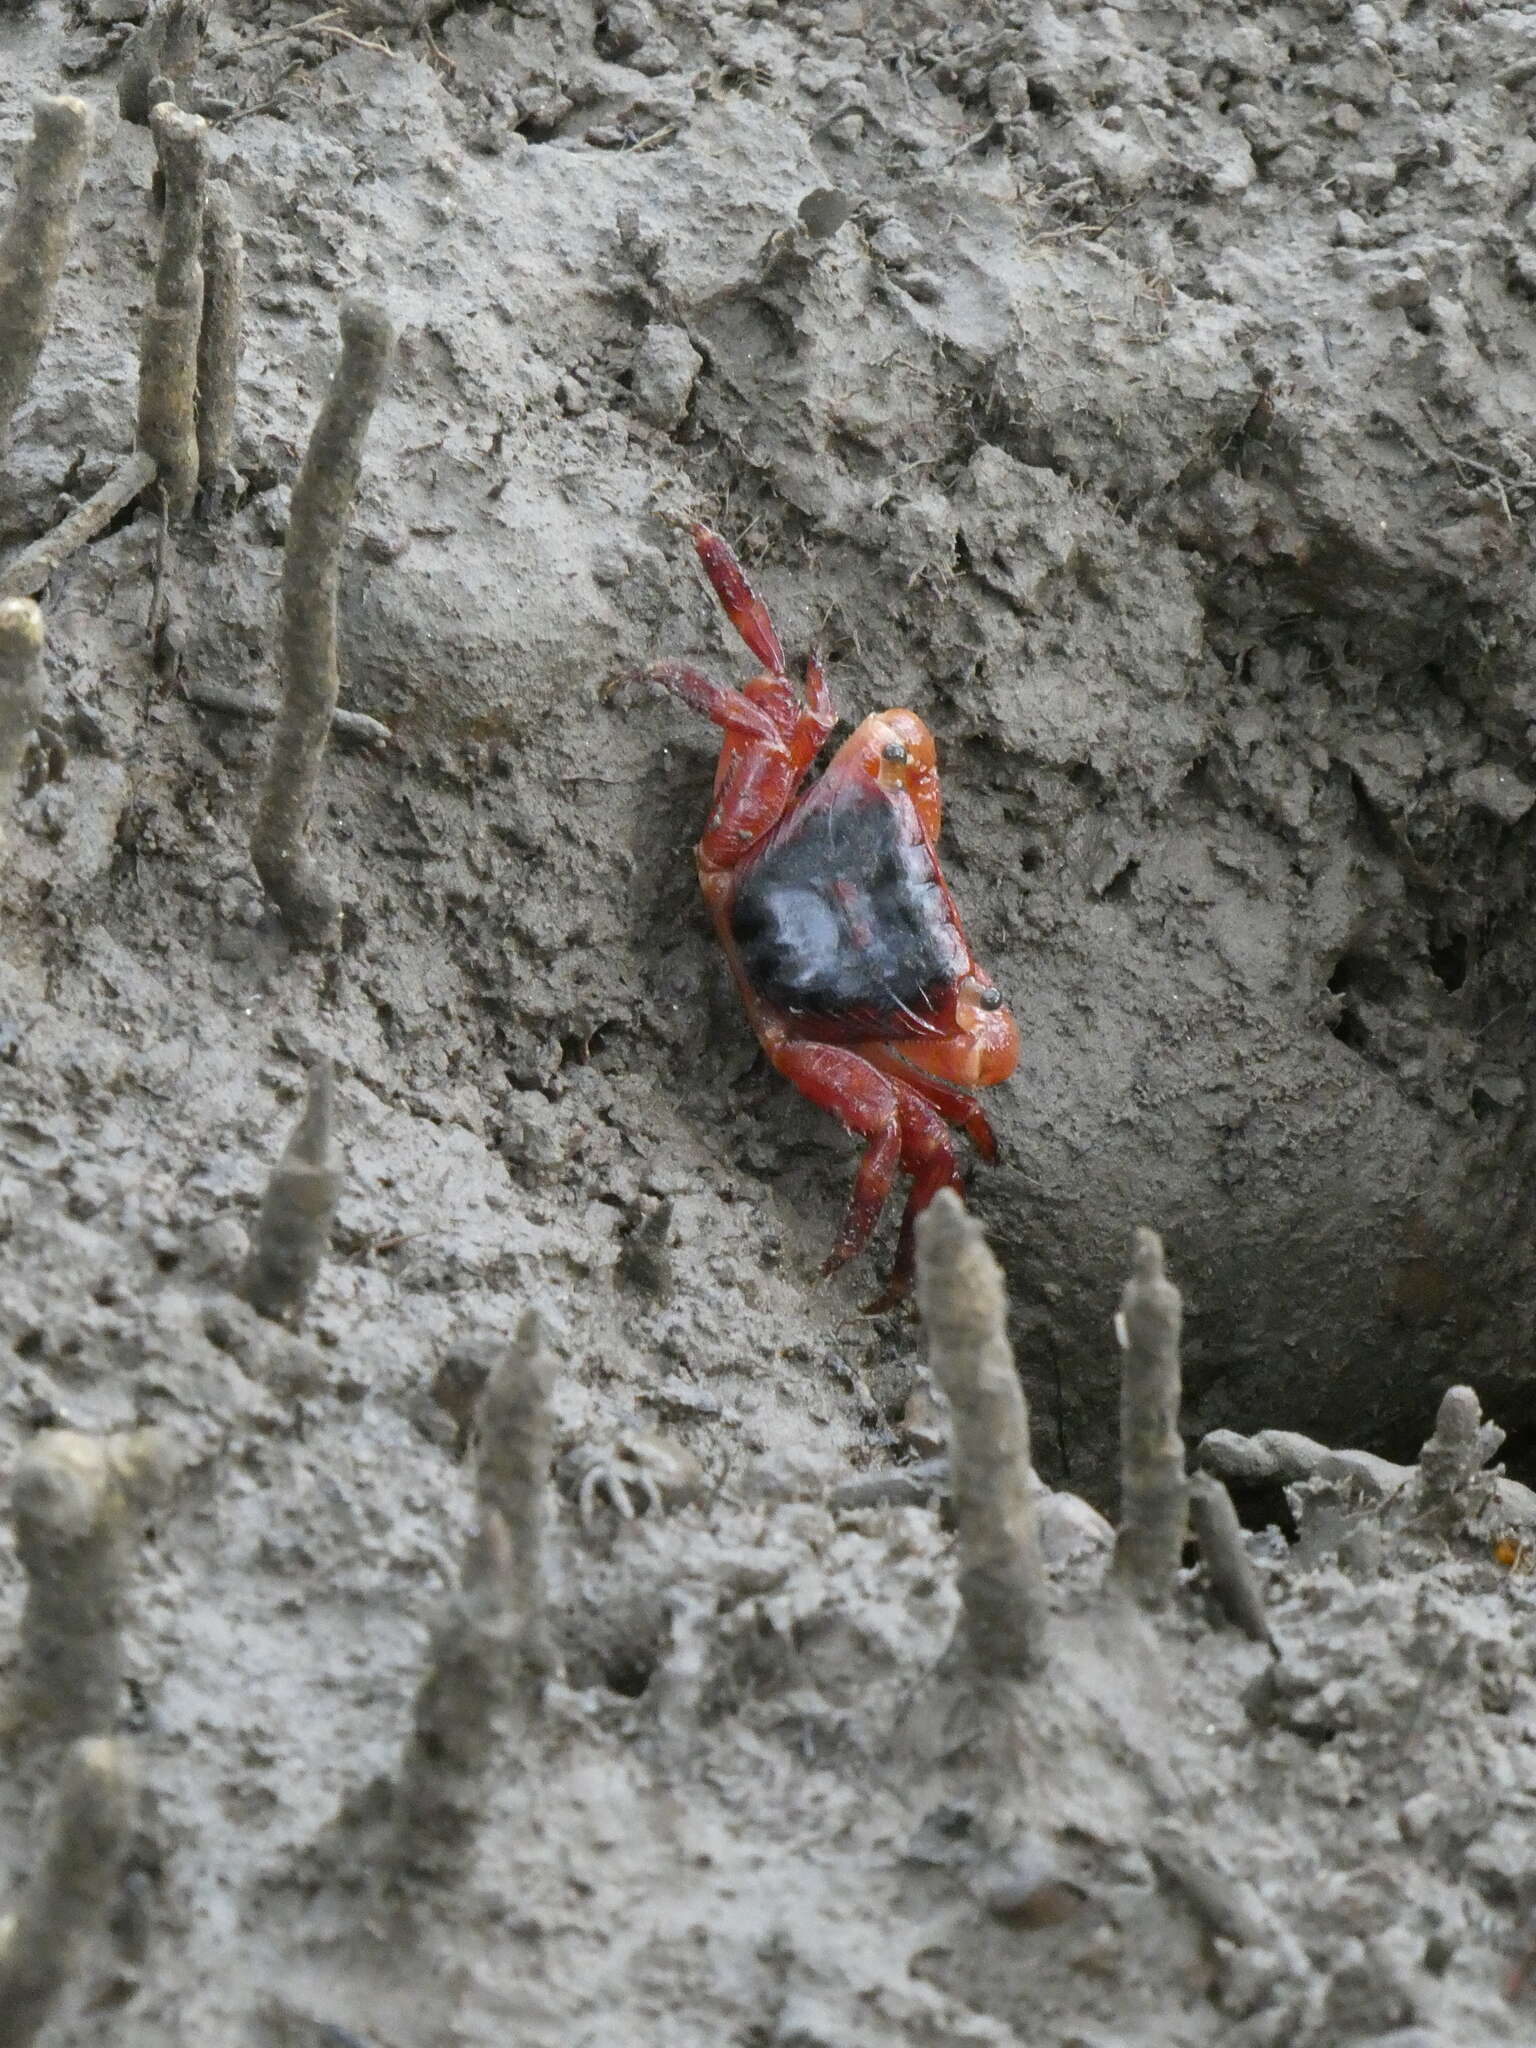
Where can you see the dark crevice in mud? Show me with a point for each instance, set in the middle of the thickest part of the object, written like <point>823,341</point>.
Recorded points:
<point>1263,1506</point>
<point>629,1676</point>
<point>1518,1455</point>
<point>1346,1024</point>
<point>1449,960</point>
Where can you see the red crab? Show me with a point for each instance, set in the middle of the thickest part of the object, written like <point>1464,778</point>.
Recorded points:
<point>833,912</point>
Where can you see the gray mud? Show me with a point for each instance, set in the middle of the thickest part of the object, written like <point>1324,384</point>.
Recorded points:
<point>1142,395</point>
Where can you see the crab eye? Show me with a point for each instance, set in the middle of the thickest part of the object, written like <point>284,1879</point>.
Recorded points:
<point>893,751</point>
<point>990,999</point>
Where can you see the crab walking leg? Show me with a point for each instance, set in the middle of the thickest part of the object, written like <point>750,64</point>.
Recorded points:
<point>729,709</point>
<point>738,600</point>
<point>928,1155</point>
<point>813,724</point>
<point>818,697</point>
<point>951,1102</point>
<point>867,1105</point>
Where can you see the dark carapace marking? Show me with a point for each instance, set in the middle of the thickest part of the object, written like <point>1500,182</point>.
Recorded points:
<point>840,916</point>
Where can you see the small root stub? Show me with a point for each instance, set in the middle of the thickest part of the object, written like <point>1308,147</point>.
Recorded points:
<point>73,1889</point>
<point>219,344</point>
<point>173,319</point>
<point>1223,1553</point>
<point>1452,1460</point>
<point>22,641</point>
<point>317,523</point>
<point>512,1475</point>
<point>36,241</point>
<point>77,1503</point>
<point>293,1231</point>
<point>161,54</point>
<point>1221,1902</point>
<point>1153,1490</point>
<point>469,1679</point>
<point>1003,1586</point>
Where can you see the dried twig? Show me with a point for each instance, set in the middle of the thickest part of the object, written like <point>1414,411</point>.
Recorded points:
<point>219,342</point>
<point>1153,1493</point>
<point>27,574</point>
<point>317,522</point>
<point>321,25</point>
<point>174,317</point>
<point>78,1502</point>
<point>296,28</point>
<point>347,35</point>
<point>355,726</point>
<point>21,688</point>
<point>73,1888</point>
<point>37,238</point>
<point>964,1310</point>
<point>293,1232</point>
<point>1225,1904</point>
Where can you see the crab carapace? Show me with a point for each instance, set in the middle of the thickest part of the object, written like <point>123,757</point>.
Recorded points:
<point>833,912</point>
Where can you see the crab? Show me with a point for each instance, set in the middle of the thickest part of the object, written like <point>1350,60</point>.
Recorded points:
<point>845,944</point>
<point>635,1473</point>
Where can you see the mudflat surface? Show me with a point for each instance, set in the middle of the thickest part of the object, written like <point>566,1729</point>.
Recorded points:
<point>1142,396</point>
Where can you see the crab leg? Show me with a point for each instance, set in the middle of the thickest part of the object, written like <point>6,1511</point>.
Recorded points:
<point>740,602</point>
<point>732,710</point>
<point>903,1131</point>
<point>815,721</point>
<point>951,1102</point>
<point>867,1106</point>
<point>929,1156</point>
